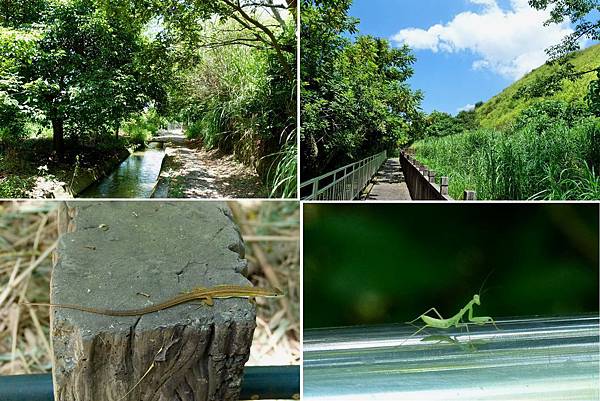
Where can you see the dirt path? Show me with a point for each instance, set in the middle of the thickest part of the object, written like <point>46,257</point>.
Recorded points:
<point>190,172</point>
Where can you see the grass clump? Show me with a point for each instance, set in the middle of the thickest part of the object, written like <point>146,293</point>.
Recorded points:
<point>531,161</point>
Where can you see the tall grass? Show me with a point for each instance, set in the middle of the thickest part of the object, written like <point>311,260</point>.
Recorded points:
<point>283,171</point>
<point>223,88</point>
<point>235,103</point>
<point>560,162</point>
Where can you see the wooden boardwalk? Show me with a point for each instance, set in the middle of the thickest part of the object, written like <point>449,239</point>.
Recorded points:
<point>388,183</point>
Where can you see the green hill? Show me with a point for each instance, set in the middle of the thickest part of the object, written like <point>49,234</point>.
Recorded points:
<point>504,107</point>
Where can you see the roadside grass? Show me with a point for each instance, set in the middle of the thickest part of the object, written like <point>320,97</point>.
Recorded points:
<point>557,163</point>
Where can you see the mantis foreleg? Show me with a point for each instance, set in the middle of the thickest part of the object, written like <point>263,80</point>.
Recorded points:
<point>480,320</point>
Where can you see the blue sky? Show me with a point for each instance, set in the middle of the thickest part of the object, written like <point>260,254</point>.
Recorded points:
<point>467,50</point>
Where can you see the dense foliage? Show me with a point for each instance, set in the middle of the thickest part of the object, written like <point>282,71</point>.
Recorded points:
<point>355,100</point>
<point>85,70</point>
<point>240,99</point>
<point>552,151</point>
<point>438,123</point>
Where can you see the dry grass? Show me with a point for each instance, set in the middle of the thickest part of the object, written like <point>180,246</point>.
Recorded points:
<point>271,231</point>
<point>28,234</point>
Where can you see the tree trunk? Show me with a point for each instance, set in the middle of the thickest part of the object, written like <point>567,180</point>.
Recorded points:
<point>117,130</point>
<point>58,137</point>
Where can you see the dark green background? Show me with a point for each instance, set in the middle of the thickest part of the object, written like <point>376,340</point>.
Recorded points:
<point>388,263</point>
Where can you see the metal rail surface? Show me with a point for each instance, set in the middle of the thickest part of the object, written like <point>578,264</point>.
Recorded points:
<point>260,382</point>
<point>344,183</point>
<point>522,359</point>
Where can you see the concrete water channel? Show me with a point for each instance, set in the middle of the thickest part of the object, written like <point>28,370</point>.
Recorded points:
<point>134,178</point>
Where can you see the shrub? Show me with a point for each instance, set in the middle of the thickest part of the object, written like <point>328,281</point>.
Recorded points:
<point>142,126</point>
<point>547,113</point>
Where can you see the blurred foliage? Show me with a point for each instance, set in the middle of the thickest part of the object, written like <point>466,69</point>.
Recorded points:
<point>388,263</point>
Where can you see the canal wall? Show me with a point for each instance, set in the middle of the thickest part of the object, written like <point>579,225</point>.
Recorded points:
<point>161,189</point>
<point>84,178</point>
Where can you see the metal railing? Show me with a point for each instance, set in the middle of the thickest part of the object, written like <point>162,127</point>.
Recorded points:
<point>344,183</point>
<point>528,359</point>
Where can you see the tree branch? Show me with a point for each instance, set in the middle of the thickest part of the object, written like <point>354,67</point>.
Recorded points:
<point>274,43</point>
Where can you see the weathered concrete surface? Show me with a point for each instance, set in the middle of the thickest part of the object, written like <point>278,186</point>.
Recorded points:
<point>388,183</point>
<point>114,252</point>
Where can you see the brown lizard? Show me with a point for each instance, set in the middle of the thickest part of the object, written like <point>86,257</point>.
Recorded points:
<point>206,295</point>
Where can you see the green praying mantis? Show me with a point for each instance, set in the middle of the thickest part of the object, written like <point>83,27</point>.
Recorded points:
<point>455,320</point>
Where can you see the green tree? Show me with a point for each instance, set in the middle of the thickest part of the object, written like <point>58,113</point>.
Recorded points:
<point>16,47</point>
<point>88,73</point>
<point>15,13</point>
<point>467,119</point>
<point>593,96</point>
<point>184,21</point>
<point>584,15</point>
<point>355,100</point>
<point>442,124</point>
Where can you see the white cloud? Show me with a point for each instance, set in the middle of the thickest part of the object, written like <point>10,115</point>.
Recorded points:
<point>467,107</point>
<point>509,42</point>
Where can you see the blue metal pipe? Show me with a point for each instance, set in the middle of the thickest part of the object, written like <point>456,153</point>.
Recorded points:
<point>260,382</point>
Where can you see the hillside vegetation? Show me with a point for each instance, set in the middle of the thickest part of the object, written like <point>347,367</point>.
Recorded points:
<point>505,107</point>
<point>520,146</point>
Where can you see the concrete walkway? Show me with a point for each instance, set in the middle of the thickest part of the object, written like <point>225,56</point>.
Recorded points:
<point>173,136</point>
<point>388,183</point>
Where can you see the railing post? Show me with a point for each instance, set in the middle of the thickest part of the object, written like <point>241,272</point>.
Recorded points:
<point>469,195</point>
<point>432,176</point>
<point>444,185</point>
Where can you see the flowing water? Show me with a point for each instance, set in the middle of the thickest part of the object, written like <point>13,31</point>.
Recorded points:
<point>134,178</point>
